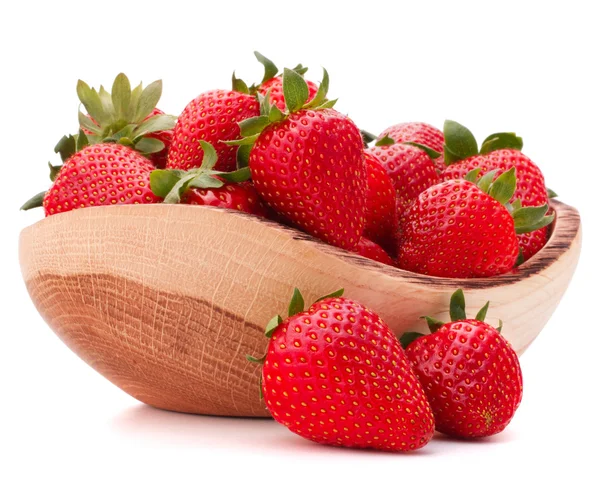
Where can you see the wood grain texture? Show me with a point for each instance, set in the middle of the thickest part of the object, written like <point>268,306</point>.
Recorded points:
<point>165,301</point>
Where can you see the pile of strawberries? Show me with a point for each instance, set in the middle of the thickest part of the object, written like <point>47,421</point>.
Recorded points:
<point>423,200</point>
<point>337,375</point>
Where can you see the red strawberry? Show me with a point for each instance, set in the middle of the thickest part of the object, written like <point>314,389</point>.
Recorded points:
<point>126,116</point>
<point>410,168</point>
<point>459,230</point>
<point>371,250</point>
<point>419,133</point>
<point>308,164</point>
<point>337,375</point>
<point>212,117</point>
<point>531,188</point>
<point>101,175</point>
<point>381,216</point>
<point>242,197</point>
<point>470,373</point>
<point>207,187</point>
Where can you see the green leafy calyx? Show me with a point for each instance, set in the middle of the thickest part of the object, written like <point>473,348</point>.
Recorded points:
<point>172,184</point>
<point>122,115</point>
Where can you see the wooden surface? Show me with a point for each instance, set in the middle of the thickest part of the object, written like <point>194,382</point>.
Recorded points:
<point>165,301</point>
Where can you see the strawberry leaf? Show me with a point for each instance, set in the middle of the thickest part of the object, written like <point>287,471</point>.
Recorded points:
<point>321,95</point>
<point>530,219</point>
<point>367,137</point>
<point>81,141</point>
<point>471,176</point>
<point>240,175</point>
<point>408,337</point>
<point>296,303</point>
<point>459,142</point>
<point>121,95</point>
<point>485,181</point>
<point>66,147</point>
<point>430,152</point>
<point>335,294</point>
<point>91,101</point>
<point>385,141</point>
<point>154,124</point>
<point>295,90</point>
<point>238,85</point>
<point>457,306</point>
<point>254,125</point>
<point>503,188</point>
<point>551,193</point>
<point>260,360</point>
<point>270,68</point>
<point>204,181</point>
<point>148,100</point>
<point>433,324</point>
<point>481,314</point>
<point>272,325</point>
<point>148,145</point>
<point>162,181</point>
<point>501,140</point>
<point>35,202</point>
<point>243,156</point>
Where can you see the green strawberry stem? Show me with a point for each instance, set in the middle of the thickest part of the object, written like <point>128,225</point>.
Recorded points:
<point>172,184</point>
<point>388,141</point>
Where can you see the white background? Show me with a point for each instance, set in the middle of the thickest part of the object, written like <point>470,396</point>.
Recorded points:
<point>531,67</point>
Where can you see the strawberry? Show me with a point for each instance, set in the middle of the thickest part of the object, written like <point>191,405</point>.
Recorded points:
<point>410,168</point>
<point>126,116</point>
<point>308,163</point>
<point>458,229</point>
<point>212,117</point>
<point>501,151</point>
<point>337,375</point>
<point>100,175</point>
<point>371,250</point>
<point>206,186</point>
<point>381,216</point>
<point>470,373</point>
<point>419,133</point>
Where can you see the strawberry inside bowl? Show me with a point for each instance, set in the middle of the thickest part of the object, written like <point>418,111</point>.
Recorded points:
<point>165,300</point>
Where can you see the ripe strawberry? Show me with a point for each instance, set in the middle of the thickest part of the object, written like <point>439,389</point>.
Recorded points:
<point>470,373</point>
<point>371,250</point>
<point>418,133</point>
<point>308,163</point>
<point>531,188</point>
<point>100,175</point>
<point>410,168</point>
<point>126,116</point>
<point>381,215</point>
<point>207,187</point>
<point>337,375</point>
<point>212,117</point>
<point>499,151</point>
<point>458,229</point>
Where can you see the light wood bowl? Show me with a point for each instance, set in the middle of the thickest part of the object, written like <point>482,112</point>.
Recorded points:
<point>165,301</point>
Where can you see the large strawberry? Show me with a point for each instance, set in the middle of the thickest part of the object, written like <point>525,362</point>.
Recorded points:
<point>501,152</point>
<point>337,375</point>
<point>211,117</point>
<point>410,168</point>
<point>418,133</point>
<point>458,229</point>
<point>381,215</point>
<point>206,186</point>
<point>128,117</point>
<point>308,163</point>
<point>101,174</point>
<point>470,373</point>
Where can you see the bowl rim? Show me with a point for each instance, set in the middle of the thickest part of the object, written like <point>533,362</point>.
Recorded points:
<point>565,230</point>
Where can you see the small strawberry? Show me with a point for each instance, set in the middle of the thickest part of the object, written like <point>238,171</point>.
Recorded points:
<point>211,117</point>
<point>418,133</point>
<point>101,174</point>
<point>381,215</point>
<point>308,163</point>
<point>458,229</point>
<point>273,83</point>
<point>410,168</point>
<point>371,250</point>
<point>470,373</point>
<point>126,116</point>
<point>501,152</point>
<point>206,186</point>
<point>337,375</point>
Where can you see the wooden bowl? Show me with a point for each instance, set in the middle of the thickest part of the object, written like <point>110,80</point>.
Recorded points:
<point>165,301</point>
